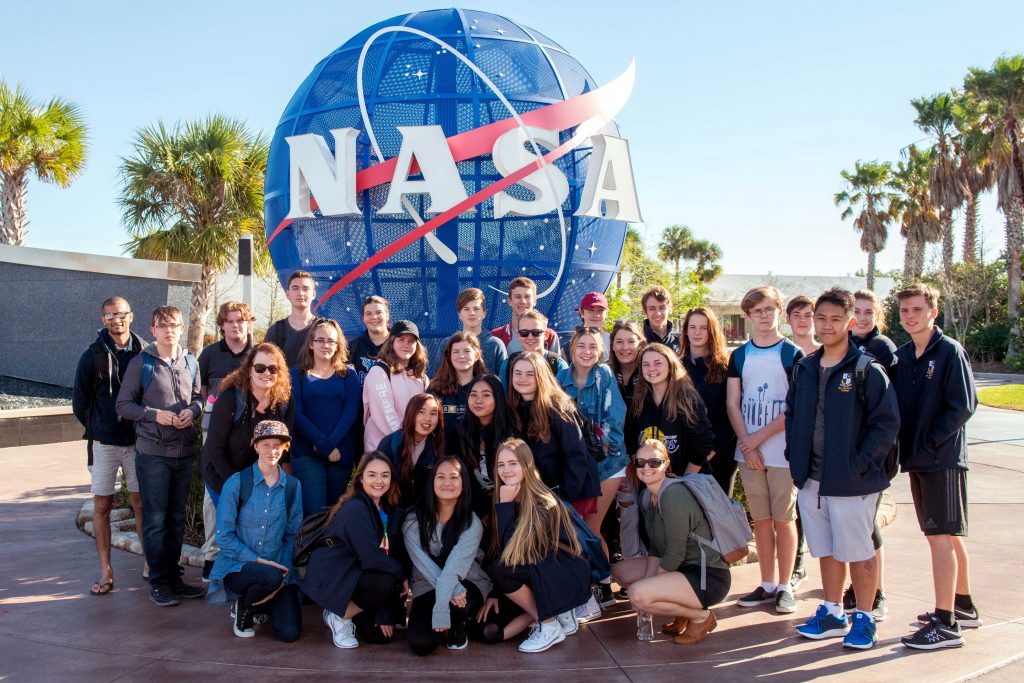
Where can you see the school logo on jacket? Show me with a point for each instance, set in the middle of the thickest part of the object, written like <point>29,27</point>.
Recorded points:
<point>846,382</point>
<point>671,441</point>
<point>930,372</point>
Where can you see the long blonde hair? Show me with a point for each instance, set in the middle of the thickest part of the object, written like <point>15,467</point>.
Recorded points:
<point>549,399</point>
<point>542,519</point>
<point>680,397</point>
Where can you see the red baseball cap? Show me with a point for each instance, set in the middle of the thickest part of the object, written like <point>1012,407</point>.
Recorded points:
<point>593,300</point>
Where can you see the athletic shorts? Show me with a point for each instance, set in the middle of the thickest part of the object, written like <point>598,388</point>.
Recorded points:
<point>940,499</point>
<point>717,581</point>
<point>770,493</point>
<point>105,462</point>
<point>838,526</point>
<point>876,533</point>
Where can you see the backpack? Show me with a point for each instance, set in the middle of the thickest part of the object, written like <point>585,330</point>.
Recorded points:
<point>149,366</point>
<point>730,530</point>
<point>591,437</point>
<point>593,552</point>
<point>788,353</point>
<point>312,535</point>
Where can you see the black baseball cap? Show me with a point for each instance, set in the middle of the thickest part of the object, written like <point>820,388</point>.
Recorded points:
<point>400,327</point>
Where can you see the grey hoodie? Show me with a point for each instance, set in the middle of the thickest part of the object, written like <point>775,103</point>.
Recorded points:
<point>172,388</point>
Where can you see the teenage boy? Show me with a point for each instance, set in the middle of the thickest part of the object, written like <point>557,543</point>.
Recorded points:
<point>593,312</point>
<point>841,422</point>
<point>522,297</point>
<point>472,308</point>
<point>800,316</point>
<point>657,305</point>
<point>530,330</point>
<point>756,388</point>
<point>111,440</point>
<point>290,333</point>
<point>936,393</point>
<point>363,350</point>
<point>160,392</point>
<point>217,361</point>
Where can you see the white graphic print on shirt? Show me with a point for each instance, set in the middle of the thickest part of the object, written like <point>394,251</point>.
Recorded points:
<point>764,398</point>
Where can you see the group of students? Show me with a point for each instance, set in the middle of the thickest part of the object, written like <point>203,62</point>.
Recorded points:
<point>484,494</point>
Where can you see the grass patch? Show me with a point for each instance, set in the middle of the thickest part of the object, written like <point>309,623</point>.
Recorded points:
<point>1007,396</point>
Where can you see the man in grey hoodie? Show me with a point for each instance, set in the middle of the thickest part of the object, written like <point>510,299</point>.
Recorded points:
<point>160,392</point>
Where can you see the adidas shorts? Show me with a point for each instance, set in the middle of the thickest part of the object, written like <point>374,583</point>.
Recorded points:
<point>838,526</point>
<point>940,500</point>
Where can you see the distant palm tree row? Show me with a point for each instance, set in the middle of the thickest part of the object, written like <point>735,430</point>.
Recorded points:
<point>974,145</point>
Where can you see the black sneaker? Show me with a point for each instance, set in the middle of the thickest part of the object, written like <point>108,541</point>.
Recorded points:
<point>879,608</point>
<point>799,574</point>
<point>623,593</point>
<point>244,627</point>
<point>207,566</point>
<point>604,594</point>
<point>966,618</point>
<point>784,602</point>
<point>759,597</point>
<point>163,596</point>
<point>457,639</point>
<point>187,592</point>
<point>934,636</point>
<point>849,600</point>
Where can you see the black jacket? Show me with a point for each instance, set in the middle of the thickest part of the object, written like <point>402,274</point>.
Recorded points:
<point>671,338</point>
<point>713,396</point>
<point>564,462</point>
<point>94,397</point>
<point>686,443</point>
<point>228,445</point>
<point>937,396</point>
<point>879,346</point>
<point>421,471</point>
<point>858,435</point>
<point>358,533</point>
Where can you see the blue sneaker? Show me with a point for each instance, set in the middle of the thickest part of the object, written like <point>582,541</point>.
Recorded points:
<point>824,625</point>
<point>862,634</point>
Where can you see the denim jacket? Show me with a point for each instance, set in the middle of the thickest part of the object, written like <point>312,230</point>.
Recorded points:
<point>600,400</point>
<point>263,528</point>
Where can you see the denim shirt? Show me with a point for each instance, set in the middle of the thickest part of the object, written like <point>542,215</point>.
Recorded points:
<point>600,400</point>
<point>263,528</point>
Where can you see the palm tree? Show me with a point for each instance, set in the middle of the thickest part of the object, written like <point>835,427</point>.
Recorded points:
<point>45,139</point>
<point>188,193</point>
<point>919,223</point>
<point>1000,92</point>
<point>975,170</point>
<point>675,242</point>
<point>867,192</point>
<point>706,254</point>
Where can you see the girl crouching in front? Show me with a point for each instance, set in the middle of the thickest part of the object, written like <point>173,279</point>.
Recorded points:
<point>357,579</point>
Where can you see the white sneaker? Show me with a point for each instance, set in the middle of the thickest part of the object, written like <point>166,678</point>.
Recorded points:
<point>542,636</point>
<point>591,609</point>
<point>342,630</point>
<point>567,620</point>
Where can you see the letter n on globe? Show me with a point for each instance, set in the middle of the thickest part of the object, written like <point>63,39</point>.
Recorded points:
<point>331,179</point>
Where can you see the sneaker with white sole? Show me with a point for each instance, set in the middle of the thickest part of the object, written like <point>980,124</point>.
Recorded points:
<point>798,577</point>
<point>542,636</point>
<point>862,635</point>
<point>935,636</point>
<point>759,596</point>
<point>343,631</point>
<point>824,625</point>
<point>243,625</point>
<point>568,622</point>
<point>784,602</point>
<point>589,610</point>
<point>880,607</point>
<point>966,618</point>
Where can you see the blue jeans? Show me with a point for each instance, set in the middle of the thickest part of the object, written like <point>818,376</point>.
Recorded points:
<point>163,484</point>
<point>322,481</point>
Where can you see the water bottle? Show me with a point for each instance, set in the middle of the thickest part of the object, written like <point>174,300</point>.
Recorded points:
<point>644,627</point>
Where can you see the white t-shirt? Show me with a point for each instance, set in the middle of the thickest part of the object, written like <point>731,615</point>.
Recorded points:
<point>765,384</point>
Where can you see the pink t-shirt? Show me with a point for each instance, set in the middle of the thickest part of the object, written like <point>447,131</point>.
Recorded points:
<point>385,396</point>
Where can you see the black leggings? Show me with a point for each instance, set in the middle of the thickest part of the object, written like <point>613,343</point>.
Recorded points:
<point>376,592</point>
<point>510,579</point>
<point>423,639</point>
<point>493,628</point>
<point>256,581</point>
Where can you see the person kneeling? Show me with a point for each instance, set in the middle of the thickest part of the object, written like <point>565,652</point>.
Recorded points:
<point>258,518</point>
<point>442,536</point>
<point>672,579</point>
<point>356,577</point>
<point>540,565</point>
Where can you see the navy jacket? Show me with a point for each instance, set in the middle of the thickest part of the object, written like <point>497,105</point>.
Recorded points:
<point>686,443</point>
<point>858,435</point>
<point>334,571</point>
<point>937,396</point>
<point>879,346</point>
<point>94,397</point>
<point>671,338</point>
<point>421,471</point>
<point>564,462</point>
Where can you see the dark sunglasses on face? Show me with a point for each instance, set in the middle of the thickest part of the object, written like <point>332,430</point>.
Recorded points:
<point>530,333</point>
<point>654,463</point>
<point>261,369</point>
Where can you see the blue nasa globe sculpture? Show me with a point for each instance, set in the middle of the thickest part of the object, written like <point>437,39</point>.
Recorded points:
<point>412,80</point>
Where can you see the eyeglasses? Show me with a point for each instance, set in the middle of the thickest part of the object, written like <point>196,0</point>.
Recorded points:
<point>169,326</point>
<point>530,333</point>
<point>261,369</point>
<point>325,342</point>
<point>763,312</point>
<point>120,315</point>
<point>654,463</point>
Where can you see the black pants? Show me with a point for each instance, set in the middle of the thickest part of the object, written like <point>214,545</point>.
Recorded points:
<point>423,639</point>
<point>163,485</point>
<point>723,469</point>
<point>376,594</point>
<point>493,628</point>
<point>256,581</point>
<point>510,579</point>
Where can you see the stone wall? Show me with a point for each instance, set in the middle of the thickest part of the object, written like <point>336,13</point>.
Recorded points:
<point>50,305</point>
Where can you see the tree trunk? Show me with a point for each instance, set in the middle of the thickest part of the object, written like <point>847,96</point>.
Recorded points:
<point>918,260</point>
<point>1014,218</point>
<point>971,220</point>
<point>909,257</point>
<point>198,308</point>
<point>947,267</point>
<point>871,270</point>
<point>13,190</point>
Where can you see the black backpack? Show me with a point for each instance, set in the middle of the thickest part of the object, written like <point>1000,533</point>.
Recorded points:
<point>591,437</point>
<point>312,535</point>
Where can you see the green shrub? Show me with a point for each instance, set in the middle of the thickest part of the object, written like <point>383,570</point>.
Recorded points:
<point>987,342</point>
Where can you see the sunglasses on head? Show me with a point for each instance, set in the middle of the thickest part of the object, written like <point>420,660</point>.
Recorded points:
<point>649,462</point>
<point>261,369</point>
<point>530,333</point>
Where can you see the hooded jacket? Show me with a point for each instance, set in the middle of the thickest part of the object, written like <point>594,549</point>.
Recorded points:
<point>936,396</point>
<point>172,388</point>
<point>858,435</point>
<point>671,338</point>
<point>686,443</point>
<point>94,398</point>
<point>879,346</point>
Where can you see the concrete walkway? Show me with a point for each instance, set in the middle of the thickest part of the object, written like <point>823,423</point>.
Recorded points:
<point>51,629</point>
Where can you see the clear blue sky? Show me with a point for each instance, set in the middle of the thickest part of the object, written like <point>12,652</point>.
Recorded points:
<point>742,117</point>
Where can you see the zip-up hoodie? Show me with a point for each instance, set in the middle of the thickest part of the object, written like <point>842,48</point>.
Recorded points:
<point>671,338</point>
<point>172,388</point>
<point>858,436</point>
<point>879,346</point>
<point>936,396</point>
<point>94,397</point>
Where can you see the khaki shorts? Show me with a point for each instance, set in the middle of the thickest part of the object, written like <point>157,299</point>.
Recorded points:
<point>770,493</point>
<point>106,460</point>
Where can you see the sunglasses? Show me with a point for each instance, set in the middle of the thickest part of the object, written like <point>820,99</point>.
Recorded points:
<point>530,333</point>
<point>261,369</point>
<point>120,315</point>
<point>654,463</point>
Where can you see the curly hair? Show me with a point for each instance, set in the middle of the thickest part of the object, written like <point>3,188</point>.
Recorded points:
<point>280,392</point>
